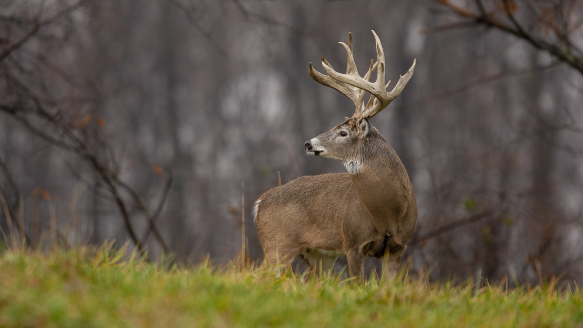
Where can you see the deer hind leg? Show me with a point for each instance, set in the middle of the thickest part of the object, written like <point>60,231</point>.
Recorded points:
<point>319,261</point>
<point>355,259</point>
<point>280,257</point>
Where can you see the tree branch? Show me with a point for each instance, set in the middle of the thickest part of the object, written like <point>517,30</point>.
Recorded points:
<point>186,11</point>
<point>268,20</point>
<point>449,227</point>
<point>36,28</point>
<point>14,46</point>
<point>144,209</point>
<point>160,206</point>
<point>563,54</point>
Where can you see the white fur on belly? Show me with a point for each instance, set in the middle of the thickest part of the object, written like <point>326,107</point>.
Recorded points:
<point>323,252</point>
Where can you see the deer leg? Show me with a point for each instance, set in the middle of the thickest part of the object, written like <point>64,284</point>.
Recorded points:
<point>390,266</point>
<point>281,258</point>
<point>356,264</point>
<point>392,260</point>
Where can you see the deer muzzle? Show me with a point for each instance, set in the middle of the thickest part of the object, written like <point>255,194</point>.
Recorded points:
<point>312,147</point>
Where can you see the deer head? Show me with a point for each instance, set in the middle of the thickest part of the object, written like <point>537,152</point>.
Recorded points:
<point>345,141</point>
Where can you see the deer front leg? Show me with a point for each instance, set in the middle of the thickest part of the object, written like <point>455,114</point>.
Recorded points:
<point>391,261</point>
<point>356,264</point>
<point>390,266</point>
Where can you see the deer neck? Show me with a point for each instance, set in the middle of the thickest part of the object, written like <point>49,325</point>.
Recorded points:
<point>381,182</point>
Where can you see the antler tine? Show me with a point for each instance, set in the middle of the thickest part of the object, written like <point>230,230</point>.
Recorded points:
<point>350,65</point>
<point>371,111</point>
<point>348,90</point>
<point>349,62</point>
<point>362,92</point>
<point>380,82</point>
<point>403,80</point>
<point>345,89</point>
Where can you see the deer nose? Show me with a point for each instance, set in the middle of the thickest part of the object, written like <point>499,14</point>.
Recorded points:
<point>308,145</point>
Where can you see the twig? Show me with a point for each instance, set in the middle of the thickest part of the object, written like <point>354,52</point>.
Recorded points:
<point>483,80</point>
<point>13,112</point>
<point>164,194</point>
<point>268,20</point>
<point>124,212</point>
<point>14,46</point>
<point>144,209</point>
<point>563,54</point>
<point>36,27</point>
<point>243,225</point>
<point>160,206</point>
<point>448,227</point>
<point>186,11</point>
<point>9,178</point>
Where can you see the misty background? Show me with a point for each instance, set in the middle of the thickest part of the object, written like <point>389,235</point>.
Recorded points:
<point>140,121</point>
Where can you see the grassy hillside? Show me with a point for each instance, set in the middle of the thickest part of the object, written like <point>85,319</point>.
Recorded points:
<point>103,288</point>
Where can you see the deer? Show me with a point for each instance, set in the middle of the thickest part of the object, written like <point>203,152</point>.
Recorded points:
<point>370,210</point>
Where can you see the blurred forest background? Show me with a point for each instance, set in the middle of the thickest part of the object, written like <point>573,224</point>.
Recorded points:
<point>139,121</point>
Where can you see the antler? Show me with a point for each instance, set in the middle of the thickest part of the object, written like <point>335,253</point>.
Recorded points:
<point>353,86</point>
<point>349,91</point>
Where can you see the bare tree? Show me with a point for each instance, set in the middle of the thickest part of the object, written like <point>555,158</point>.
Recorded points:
<point>68,123</point>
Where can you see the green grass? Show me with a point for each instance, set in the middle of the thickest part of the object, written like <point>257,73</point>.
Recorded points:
<point>89,287</point>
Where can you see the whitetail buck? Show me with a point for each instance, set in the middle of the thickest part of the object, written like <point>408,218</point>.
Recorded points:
<point>369,211</point>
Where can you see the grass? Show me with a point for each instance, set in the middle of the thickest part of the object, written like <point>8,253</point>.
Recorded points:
<point>89,287</point>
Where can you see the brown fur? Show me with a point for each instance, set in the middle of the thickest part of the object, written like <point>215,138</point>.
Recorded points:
<point>371,213</point>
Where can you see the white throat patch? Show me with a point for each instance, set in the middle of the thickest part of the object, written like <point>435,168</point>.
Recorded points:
<point>353,167</point>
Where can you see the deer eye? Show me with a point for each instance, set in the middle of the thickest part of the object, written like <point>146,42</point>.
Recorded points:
<point>343,133</point>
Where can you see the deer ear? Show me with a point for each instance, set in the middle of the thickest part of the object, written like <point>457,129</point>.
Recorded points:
<point>364,128</point>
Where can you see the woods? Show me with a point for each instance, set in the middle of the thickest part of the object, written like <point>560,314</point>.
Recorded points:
<point>139,121</point>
